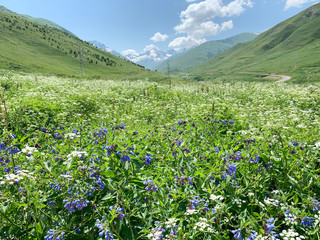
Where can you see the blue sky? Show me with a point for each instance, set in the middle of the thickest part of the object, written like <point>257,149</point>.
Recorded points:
<point>136,25</point>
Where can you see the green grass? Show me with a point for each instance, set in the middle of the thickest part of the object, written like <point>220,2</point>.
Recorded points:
<point>32,47</point>
<point>291,47</point>
<point>202,53</point>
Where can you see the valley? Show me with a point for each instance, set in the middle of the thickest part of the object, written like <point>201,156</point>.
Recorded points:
<point>222,142</point>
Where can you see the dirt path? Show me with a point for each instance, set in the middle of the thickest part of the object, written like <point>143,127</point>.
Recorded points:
<point>283,78</point>
<point>279,78</point>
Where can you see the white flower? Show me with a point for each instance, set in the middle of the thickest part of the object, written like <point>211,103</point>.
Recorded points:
<point>171,222</point>
<point>29,150</point>
<point>250,194</point>
<point>191,212</point>
<point>271,201</point>
<point>275,192</point>
<point>155,234</point>
<point>291,234</point>
<point>214,197</point>
<point>67,176</point>
<point>71,135</point>
<point>78,154</point>
<point>202,225</point>
<point>13,178</point>
<point>317,219</point>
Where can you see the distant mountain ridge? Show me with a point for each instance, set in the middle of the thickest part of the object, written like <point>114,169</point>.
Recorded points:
<point>292,45</point>
<point>151,56</point>
<point>105,48</point>
<point>38,20</point>
<point>202,53</point>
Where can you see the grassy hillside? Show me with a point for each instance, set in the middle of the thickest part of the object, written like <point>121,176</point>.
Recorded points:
<point>293,46</point>
<point>38,20</point>
<point>202,53</point>
<point>47,22</point>
<point>28,46</point>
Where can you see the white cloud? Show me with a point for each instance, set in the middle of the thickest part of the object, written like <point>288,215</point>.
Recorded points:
<point>196,20</point>
<point>128,52</point>
<point>158,37</point>
<point>295,3</point>
<point>185,42</point>
<point>150,47</point>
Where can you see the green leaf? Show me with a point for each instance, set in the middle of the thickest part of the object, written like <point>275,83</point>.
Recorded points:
<point>292,180</point>
<point>108,174</point>
<point>4,208</point>
<point>39,228</point>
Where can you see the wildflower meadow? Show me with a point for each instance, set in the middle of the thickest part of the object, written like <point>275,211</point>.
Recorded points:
<point>97,159</point>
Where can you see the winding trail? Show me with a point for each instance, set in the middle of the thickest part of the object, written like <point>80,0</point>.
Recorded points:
<point>283,78</point>
<point>279,78</point>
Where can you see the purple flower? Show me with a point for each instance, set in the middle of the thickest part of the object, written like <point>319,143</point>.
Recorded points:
<point>237,234</point>
<point>231,171</point>
<point>148,159</point>
<point>270,225</point>
<point>307,221</point>
<point>316,205</point>
<point>101,225</point>
<point>77,203</point>
<point>125,158</point>
<point>51,235</point>
<point>253,235</point>
<point>150,186</point>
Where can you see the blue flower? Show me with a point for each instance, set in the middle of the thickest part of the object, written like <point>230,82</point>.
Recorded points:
<point>56,186</point>
<point>125,158</point>
<point>104,231</point>
<point>307,221</point>
<point>253,235</point>
<point>237,234</point>
<point>217,150</point>
<point>270,225</point>
<point>150,186</point>
<point>2,146</point>
<point>231,171</point>
<point>51,235</point>
<point>78,204</point>
<point>148,159</point>
<point>316,205</point>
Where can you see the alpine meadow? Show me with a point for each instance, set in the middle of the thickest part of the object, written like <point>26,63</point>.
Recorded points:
<point>222,143</point>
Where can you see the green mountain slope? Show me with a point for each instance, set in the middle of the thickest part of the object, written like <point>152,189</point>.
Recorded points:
<point>6,10</point>
<point>48,22</point>
<point>202,53</point>
<point>291,46</point>
<point>38,20</point>
<point>28,46</point>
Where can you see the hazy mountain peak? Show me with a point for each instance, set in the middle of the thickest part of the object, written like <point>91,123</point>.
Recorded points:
<point>105,48</point>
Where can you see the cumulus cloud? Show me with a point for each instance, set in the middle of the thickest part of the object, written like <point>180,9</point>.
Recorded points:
<point>158,37</point>
<point>129,52</point>
<point>197,21</point>
<point>295,3</point>
<point>150,47</point>
<point>185,42</point>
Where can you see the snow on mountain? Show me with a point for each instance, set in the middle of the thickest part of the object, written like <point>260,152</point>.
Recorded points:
<point>104,48</point>
<point>150,57</point>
